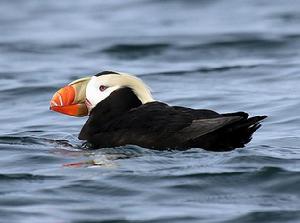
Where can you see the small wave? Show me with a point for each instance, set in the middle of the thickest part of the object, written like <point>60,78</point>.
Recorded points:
<point>206,69</point>
<point>93,187</point>
<point>24,47</point>
<point>120,48</point>
<point>267,216</point>
<point>28,90</point>
<point>241,41</point>
<point>26,176</point>
<point>33,141</point>
<point>133,51</point>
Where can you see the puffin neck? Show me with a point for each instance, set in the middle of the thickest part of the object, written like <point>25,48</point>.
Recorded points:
<point>114,106</point>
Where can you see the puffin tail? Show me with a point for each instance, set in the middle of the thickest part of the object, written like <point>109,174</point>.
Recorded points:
<point>234,135</point>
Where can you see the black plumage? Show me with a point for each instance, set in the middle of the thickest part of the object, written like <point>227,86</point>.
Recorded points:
<point>122,119</point>
<point>107,72</point>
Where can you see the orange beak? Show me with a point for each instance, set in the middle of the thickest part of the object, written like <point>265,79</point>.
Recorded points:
<point>70,100</point>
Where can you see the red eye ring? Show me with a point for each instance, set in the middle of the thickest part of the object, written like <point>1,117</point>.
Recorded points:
<point>102,88</point>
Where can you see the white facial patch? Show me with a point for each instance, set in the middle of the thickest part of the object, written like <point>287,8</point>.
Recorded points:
<point>113,82</point>
<point>93,93</point>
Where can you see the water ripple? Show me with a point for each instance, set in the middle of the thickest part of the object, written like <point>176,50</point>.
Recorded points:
<point>201,54</point>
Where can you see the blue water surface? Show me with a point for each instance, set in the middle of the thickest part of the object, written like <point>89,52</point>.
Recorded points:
<point>222,55</point>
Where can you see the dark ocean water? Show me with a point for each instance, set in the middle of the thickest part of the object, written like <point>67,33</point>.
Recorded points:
<point>222,55</point>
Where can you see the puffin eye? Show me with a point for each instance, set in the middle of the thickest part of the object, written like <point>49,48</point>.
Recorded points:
<point>102,88</point>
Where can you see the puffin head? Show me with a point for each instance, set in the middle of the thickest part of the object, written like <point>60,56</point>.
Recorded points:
<point>80,96</point>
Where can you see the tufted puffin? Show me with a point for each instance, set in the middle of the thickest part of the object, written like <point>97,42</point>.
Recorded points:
<point>122,111</point>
